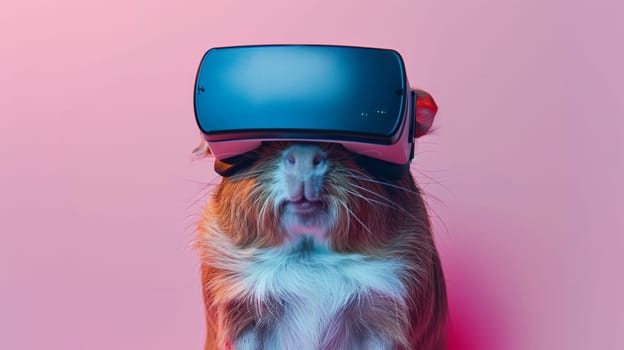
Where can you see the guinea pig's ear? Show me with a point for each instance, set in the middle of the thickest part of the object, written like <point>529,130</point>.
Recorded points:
<point>426,109</point>
<point>202,150</point>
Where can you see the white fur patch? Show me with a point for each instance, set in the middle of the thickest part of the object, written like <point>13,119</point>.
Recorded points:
<point>312,283</point>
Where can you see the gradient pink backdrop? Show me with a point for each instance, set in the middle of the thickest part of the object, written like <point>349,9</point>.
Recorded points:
<point>97,189</point>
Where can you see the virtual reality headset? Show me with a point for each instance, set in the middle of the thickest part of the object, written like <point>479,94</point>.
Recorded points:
<point>354,96</point>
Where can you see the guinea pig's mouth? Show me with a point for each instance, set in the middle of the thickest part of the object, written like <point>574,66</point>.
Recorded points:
<point>304,206</point>
<point>306,217</point>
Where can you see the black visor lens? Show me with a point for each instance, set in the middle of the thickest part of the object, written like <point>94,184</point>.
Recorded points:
<point>318,92</point>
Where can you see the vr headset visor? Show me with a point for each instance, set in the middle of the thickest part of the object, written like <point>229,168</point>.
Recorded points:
<point>354,96</point>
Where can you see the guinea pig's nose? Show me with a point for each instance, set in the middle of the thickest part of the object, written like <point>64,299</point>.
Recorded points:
<point>305,159</point>
<point>304,168</point>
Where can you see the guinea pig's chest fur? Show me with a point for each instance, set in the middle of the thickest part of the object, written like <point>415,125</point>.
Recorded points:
<point>306,296</point>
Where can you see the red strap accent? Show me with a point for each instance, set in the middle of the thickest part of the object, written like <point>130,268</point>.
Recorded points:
<point>426,110</point>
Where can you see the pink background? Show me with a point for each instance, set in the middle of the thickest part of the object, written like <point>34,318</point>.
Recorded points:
<point>97,189</point>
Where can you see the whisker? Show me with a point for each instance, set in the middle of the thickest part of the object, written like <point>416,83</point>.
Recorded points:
<point>369,179</point>
<point>422,193</point>
<point>425,152</point>
<point>393,205</point>
<point>201,197</point>
<point>187,228</point>
<point>242,175</point>
<point>428,195</point>
<point>369,200</point>
<point>422,142</point>
<point>344,205</point>
<point>435,214</point>
<point>424,196</point>
<point>203,192</point>
<point>193,216</point>
<point>421,173</point>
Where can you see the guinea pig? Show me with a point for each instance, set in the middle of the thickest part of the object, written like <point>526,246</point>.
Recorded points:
<point>309,247</point>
